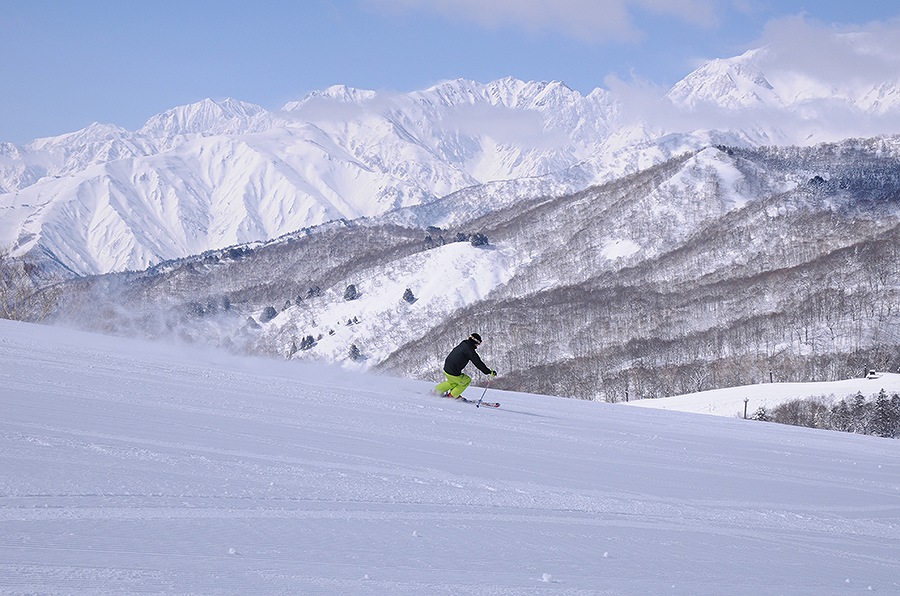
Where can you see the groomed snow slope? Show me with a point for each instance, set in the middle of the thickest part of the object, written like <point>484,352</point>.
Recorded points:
<point>130,467</point>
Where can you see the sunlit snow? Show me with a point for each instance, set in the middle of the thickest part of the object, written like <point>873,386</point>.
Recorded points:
<point>136,468</point>
<point>734,401</point>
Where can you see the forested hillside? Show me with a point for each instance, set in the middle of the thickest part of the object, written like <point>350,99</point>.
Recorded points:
<point>720,267</point>
<point>797,285</point>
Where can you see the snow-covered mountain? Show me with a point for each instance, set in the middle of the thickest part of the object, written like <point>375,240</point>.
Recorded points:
<point>217,173</point>
<point>779,102</point>
<point>214,174</point>
<point>756,79</point>
<point>714,268</point>
<point>139,468</point>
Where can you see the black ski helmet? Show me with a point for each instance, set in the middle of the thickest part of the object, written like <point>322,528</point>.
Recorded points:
<point>476,337</point>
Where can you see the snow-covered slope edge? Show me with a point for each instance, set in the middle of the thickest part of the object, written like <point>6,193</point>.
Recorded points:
<point>730,401</point>
<point>132,467</point>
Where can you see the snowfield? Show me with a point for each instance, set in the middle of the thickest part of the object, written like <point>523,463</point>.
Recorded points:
<point>731,401</point>
<point>130,467</point>
<point>446,278</point>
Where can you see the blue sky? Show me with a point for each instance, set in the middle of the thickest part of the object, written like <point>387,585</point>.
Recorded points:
<point>66,64</point>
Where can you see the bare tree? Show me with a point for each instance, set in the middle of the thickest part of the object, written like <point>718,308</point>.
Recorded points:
<point>22,295</point>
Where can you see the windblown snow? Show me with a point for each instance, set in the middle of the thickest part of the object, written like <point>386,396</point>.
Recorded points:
<point>131,467</point>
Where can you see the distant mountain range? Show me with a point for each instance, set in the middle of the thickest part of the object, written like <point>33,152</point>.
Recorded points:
<point>219,173</point>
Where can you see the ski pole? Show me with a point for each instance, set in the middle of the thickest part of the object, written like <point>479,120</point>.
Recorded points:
<point>490,378</point>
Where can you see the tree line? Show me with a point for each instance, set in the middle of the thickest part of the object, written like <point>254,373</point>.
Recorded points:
<point>878,416</point>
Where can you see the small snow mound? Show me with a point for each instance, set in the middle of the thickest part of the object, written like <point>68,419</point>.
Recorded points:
<point>547,578</point>
<point>616,249</point>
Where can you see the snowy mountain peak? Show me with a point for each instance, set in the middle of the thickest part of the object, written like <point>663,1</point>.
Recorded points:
<point>335,93</point>
<point>763,78</point>
<point>541,95</point>
<point>227,116</point>
<point>732,83</point>
<point>508,92</point>
<point>93,133</point>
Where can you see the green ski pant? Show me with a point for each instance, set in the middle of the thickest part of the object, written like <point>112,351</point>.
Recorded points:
<point>454,384</point>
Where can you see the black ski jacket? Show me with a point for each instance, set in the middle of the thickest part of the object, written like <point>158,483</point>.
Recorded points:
<point>460,356</point>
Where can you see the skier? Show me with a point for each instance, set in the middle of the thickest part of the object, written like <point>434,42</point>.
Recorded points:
<point>456,361</point>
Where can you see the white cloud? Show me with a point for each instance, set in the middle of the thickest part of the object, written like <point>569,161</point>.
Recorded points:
<point>823,73</point>
<point>837,56</point>
<point>504,125</point>
<point>588,20</point>
<point>697,12</point>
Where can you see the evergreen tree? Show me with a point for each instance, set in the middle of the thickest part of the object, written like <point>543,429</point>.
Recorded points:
<point>895,413</point>
<point>882,419</point>
<point>859,414</point>
<point>841,417</point>
<point>479,239</point>
<point>351,293</point>
<point>408,296</point>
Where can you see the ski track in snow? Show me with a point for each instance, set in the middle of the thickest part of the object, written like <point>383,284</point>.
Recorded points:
<point>130,467</point>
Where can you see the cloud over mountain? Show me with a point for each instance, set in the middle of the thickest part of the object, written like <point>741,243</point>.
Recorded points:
<point>802,84</point>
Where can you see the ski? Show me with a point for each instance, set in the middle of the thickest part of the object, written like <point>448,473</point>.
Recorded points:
<point>488,404</point>
<point>485,404</point>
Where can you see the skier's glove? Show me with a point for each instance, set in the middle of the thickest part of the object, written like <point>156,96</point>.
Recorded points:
<point>493,373</point>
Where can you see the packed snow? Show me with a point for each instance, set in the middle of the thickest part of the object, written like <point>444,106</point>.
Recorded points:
<point>130,467</point>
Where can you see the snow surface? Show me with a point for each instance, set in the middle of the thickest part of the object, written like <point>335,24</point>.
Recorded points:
<point>619,248</point>
<point>132,467</point>
<point>730,401</point>
<point>444,279</point>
